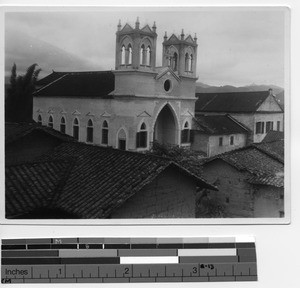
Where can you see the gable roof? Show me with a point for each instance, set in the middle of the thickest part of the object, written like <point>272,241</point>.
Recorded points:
<point>274,149</point>
<point>247,102</point>
<point>77,84</point>
<point>15,131</point>
<point>127,28</point>
<point>218,125</point>
<point>260,164</point>
<point>161,71</point>
<point>273,136</point>
<point>147,29</point>
<point>102,179</point>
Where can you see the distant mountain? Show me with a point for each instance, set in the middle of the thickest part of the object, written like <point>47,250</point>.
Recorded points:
<point>24,50</point>
<point>204,88</point>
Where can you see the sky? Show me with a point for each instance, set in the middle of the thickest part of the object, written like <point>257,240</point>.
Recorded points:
<point>236,46</point>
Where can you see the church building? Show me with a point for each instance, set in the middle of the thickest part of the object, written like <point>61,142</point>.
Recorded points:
<point>130,107</point>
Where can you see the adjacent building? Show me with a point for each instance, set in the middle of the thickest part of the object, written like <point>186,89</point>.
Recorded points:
<point>250,181</point>
<point>258,111</point>
<point>216,134</point>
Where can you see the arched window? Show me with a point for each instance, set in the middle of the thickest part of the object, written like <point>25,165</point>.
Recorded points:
<point>129,54</point>
<point>123,55</point>
<point>141,137</point>
<point>76,129</point>
<point>50,121</point>
<point>191,63</point>
<point>122,140</point>
<point>90,132</point>
<point>39,120</point>
<point>104,140</point>
<point>185,133</point>
<point>174,62</point>
<point>143,55</point>
<point>63,125</point>
<point>148,56</point>
<point>186,62</point>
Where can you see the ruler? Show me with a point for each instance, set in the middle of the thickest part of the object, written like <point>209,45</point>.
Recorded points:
<point>123,260</point>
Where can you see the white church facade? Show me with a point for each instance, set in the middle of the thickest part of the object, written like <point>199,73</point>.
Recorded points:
<point>135,104</point>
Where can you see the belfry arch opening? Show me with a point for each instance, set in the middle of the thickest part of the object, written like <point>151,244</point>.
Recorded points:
<point>165,129</point>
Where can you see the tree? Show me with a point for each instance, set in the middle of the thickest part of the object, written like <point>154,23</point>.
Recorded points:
<point>19,101</point>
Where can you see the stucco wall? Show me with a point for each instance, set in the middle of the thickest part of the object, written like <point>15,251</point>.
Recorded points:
<point>170,195</point>
<point>273,117</point>
<point>210,144</point>
<point>127,113</point>
<point>250,121</point>
<point>200,142</point>
<point>270,104</point>
<point>268,201</point>
<point>232,186</point>
<point>245,200</point>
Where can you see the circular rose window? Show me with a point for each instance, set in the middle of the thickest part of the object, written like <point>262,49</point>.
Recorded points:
<point>167,85</point>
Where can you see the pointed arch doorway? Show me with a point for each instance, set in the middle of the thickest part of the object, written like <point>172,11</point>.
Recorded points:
<point>165,129</point>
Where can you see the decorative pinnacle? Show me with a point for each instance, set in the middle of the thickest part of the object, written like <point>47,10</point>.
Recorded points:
<point>166,36</point>
<point>154,27</point>
<point>195,38</point>
<point>182,34</point>
<point>119,25</point>
<point>137,23</point>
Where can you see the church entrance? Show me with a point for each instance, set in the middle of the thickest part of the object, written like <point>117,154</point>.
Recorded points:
<point>165,127</point>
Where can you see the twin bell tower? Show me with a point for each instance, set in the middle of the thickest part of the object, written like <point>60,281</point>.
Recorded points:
<point>136,50</point>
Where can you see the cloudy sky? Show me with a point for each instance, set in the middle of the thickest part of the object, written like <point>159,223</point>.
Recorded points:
<point>235,46</point>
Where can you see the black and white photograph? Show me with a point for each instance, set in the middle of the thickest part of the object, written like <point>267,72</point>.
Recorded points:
<point>147,113</point>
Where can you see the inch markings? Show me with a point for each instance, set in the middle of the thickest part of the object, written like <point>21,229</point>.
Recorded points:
<point>123,260</point>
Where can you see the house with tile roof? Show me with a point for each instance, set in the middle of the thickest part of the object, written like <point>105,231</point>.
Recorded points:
<point>250,181</point>
<point>68,179</point>
<point>259,111</point>
<point>216,134</point>
<point>133,105</point>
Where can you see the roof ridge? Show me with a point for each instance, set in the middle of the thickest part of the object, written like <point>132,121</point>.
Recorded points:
<point>256,145</point>
<point>234,92</point>
<point>47,85</point>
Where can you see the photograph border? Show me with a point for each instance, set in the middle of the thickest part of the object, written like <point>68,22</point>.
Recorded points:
<point>177,221</point>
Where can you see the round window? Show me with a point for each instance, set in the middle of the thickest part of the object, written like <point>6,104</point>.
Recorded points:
<point>167,85</point>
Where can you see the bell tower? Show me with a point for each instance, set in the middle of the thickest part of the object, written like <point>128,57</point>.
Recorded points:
<point>180,54</point>
<point>135,47</point>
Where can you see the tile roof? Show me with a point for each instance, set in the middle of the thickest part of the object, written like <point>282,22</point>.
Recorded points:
<point>77,84</point>
<point>259,163</point>
<point>273,136</point>
<point>33,186</point>
<point>101,179</point>
<point>274,149</point>
<point>271,180</point>
<point>230,102</point>
<point>15,131</point>
<point>218,124</point>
